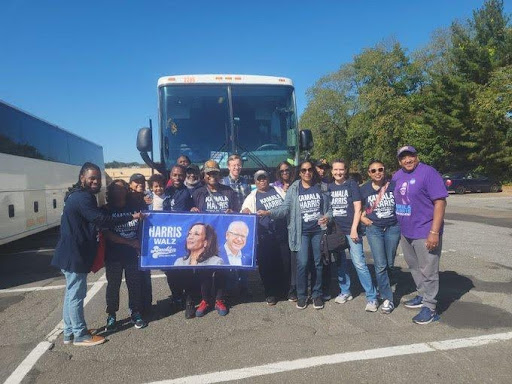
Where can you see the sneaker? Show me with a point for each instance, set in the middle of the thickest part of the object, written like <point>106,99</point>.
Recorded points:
<point>318,303</point>
<point>326,297</point>
<point>271,300</point>
<point>371,306</point>
<point>190,309</point>
<point>387,307</point>
<point>416,302</point>
<point>138,321</point>
<point>343,298</point>
<point>292,296</point>
<point>426,316</point>
<point>111,323</point>
<point>68,339</point>
<point>221,308</point>
<point>93,340</point>
<point>202,308</point>
<point>301,303</point>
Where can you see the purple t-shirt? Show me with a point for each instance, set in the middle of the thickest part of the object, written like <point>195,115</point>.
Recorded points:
<point>415,193</point>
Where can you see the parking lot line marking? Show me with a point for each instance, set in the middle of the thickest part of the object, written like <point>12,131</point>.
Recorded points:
<point>369,354</point>
<point>28,363</point>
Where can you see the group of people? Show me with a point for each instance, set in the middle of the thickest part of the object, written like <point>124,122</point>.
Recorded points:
<point>293,213</point>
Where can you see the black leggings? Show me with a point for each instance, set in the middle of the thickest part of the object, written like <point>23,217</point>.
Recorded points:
<point>207,283</point>
<point>274,266</point>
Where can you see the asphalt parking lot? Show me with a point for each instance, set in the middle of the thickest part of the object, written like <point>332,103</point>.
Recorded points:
<point>260,344</point>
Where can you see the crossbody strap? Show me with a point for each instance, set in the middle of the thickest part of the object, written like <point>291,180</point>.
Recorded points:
<point>378,199</point>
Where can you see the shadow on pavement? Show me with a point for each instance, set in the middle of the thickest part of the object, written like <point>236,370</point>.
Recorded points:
<point>28,260</point>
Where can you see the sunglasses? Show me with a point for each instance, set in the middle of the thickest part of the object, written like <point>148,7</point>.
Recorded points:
<point>213,174</point>
<point>374,170</point>
<point>284,171</point>
<point>308,170</point>
<point>261,178</point>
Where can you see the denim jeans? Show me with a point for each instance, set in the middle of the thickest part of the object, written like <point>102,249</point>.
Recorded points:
<point>73,310</point>
<point>309,240</point>
<point>383,244</point>
<point>358,259</point>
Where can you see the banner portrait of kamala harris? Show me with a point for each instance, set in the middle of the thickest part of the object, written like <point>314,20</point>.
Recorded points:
<point>198,240</point>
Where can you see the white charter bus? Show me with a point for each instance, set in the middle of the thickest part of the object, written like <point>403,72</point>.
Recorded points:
<point>38,162</point>
<point>213,116</point>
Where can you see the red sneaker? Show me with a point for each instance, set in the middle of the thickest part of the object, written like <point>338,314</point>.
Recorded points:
<point>221,307</point>
<point>202,308</point>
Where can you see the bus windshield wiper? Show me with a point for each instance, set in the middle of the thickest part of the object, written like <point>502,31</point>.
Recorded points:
<point>253,157</point>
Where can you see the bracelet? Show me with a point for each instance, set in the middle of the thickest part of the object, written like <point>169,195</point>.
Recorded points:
<point>434,233</point>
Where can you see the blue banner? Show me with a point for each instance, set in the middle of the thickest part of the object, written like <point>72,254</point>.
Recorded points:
<point>198,240</point>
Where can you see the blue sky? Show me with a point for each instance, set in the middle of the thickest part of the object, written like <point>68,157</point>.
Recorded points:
<point>91,67</point>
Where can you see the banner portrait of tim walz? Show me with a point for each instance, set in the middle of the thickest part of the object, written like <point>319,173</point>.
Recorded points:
<point>198,240</point>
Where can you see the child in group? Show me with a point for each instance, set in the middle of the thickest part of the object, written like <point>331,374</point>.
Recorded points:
<point>156,184</point>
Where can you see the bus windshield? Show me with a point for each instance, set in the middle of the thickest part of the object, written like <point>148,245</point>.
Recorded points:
<point>258,122</point>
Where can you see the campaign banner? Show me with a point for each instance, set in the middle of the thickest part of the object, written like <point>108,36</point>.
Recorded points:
<point>198,240</point>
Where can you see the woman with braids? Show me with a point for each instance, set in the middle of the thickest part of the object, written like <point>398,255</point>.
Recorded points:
<point>77,247</point>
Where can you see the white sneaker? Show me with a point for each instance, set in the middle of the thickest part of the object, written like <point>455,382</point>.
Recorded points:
<point>387,307</point>
<point>343,298</point>
<point>371,306</point>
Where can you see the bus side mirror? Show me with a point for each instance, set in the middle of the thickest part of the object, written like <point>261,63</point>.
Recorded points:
<point>145,140</point>
<point>306,140</point>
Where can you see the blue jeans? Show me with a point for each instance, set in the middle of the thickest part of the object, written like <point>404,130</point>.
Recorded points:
<point>358,259</point>
<point>383,244</point>
<point>309,241</point>
<point>73,310</point>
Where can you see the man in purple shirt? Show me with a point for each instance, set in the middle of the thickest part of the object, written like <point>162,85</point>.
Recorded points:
<point>420,205</point>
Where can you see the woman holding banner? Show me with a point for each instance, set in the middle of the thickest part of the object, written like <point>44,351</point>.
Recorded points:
<point>273,252</point>
<point>121,254</point>
<point>211,197</point>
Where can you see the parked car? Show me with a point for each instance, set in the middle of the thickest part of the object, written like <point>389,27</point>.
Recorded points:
<point>462,182</point>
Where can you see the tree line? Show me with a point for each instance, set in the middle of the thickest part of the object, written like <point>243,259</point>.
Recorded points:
<point>451,99</point>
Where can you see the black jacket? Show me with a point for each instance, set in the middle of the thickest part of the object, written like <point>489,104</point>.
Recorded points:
<point>178,199</point>
<point>79,226</point>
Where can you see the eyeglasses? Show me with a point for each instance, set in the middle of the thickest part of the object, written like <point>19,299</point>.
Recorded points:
<point>308,170</point>
<point>238,235</point>
<point>374,170</point>
<point>284,171</point>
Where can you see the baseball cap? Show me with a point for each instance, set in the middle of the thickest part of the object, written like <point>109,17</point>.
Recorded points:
<point>137,177</point>
<point>211,166</point>
<point>259,173</point>
<point>407,148</point>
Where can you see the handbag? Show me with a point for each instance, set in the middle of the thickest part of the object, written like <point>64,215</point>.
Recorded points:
<point>333,240</point>
<point>99,259</point>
